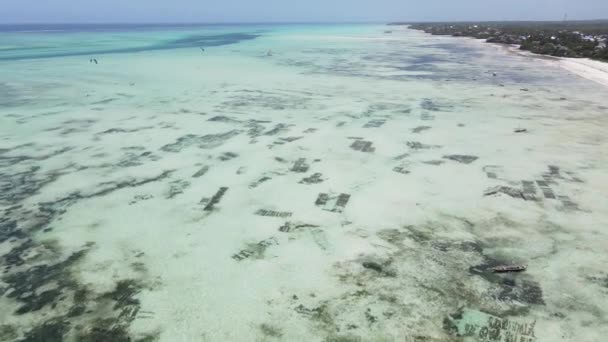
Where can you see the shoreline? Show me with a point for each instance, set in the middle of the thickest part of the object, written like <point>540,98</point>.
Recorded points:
<point>347,188</point>
<point>595,71</point>
<point>589,69</point>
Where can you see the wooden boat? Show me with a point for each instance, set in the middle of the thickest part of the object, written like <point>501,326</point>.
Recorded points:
<point>509,268</point>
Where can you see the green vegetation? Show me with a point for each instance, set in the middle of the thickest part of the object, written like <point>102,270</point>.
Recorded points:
<point>576,39</point>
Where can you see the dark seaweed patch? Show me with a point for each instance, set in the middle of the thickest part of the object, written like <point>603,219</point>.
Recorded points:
<point>601,280</point>
<point>339,202</point>
<point>124,130</point>
<point>466,246</point>
<point>16,186</point>
<point>259,181</point>
<point>35,283</point>
<point>378,268</point>
<point>12,160</point>
<point>139,198</point>
<point>277,129</point>
<point>8,333</point>
<point>371,319</point>
<point>512,286</point>
<point>208,141</point>
<point>528,187</point>
<point>401,169</point>
<point>272,213</point>
<point>513,192</point>
<point>271,331</point>
<point>292,226</point>
<point>49,331</point>
<point>567,203</point>
<point>107,329</point>
<point>434,162</point>
<point>106,188</point>
<point>255,250</point>
<point>449,323</point>
<point>104,329</point>
<point>523,291</point>
<point>461,158</point>
<point>420,129</point>
<point>177,187</point>
<point>130,159</point>
<point>26,286</point>
<point>77,310</point>
<point>287,140</point>
<point>8,230</point>
<point>495,329</point>
<point>401,156</point>
<point>434,105</point>
<point>300,165</point>
<point>315,178</point>
<point>255,129</point>
<point>387,108</point>
<point>124,294</point>
<point>415,145</point>
<point>222,118</point>
<point>227,156</point>
<point>322,199</point>
<point>363,146</point>
<point>216,199</point>
<point>342,200</point>
<point>484,269</point>
<point>544,187</point>
<point>301,309</point>
<point>201,172</point>
<point>426,116</point>
<point>374,123</point>
<point>249,98</point>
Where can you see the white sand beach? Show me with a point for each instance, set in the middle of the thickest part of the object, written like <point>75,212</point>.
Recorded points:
<point>595,71</point>
<point>592,70</point>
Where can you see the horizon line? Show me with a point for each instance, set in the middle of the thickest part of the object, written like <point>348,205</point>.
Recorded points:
<point>288,22</point>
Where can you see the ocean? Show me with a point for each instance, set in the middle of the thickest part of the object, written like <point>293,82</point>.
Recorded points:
<point>296,182</point>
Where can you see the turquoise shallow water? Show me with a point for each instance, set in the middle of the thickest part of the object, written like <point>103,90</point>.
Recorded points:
<point>353,184</point>
<point>31,42</point>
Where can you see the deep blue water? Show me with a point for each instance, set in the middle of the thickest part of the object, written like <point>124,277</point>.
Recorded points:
<point>77,28</point>
<point>21,42</point>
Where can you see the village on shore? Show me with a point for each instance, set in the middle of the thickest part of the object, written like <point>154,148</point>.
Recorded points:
<point>576,39</point>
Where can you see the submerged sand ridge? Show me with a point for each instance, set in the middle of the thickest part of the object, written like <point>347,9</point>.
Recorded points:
<point>344,189</point>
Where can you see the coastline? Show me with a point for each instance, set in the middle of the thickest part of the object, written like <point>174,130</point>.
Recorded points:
<point>589,69</point>
<point>353,186</point>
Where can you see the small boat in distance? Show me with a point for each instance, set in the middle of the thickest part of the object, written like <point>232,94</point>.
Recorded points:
<point>509,268</point>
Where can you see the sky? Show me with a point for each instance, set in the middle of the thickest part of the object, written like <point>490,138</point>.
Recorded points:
<point>202,11</point>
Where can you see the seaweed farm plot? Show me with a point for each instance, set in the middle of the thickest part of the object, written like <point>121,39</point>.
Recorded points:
<point>540,190</point>
<point>333,203</point>
<point>350,185</point>
<point>272,213</point>
<point>255,250</point>
<point>362,145</point>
